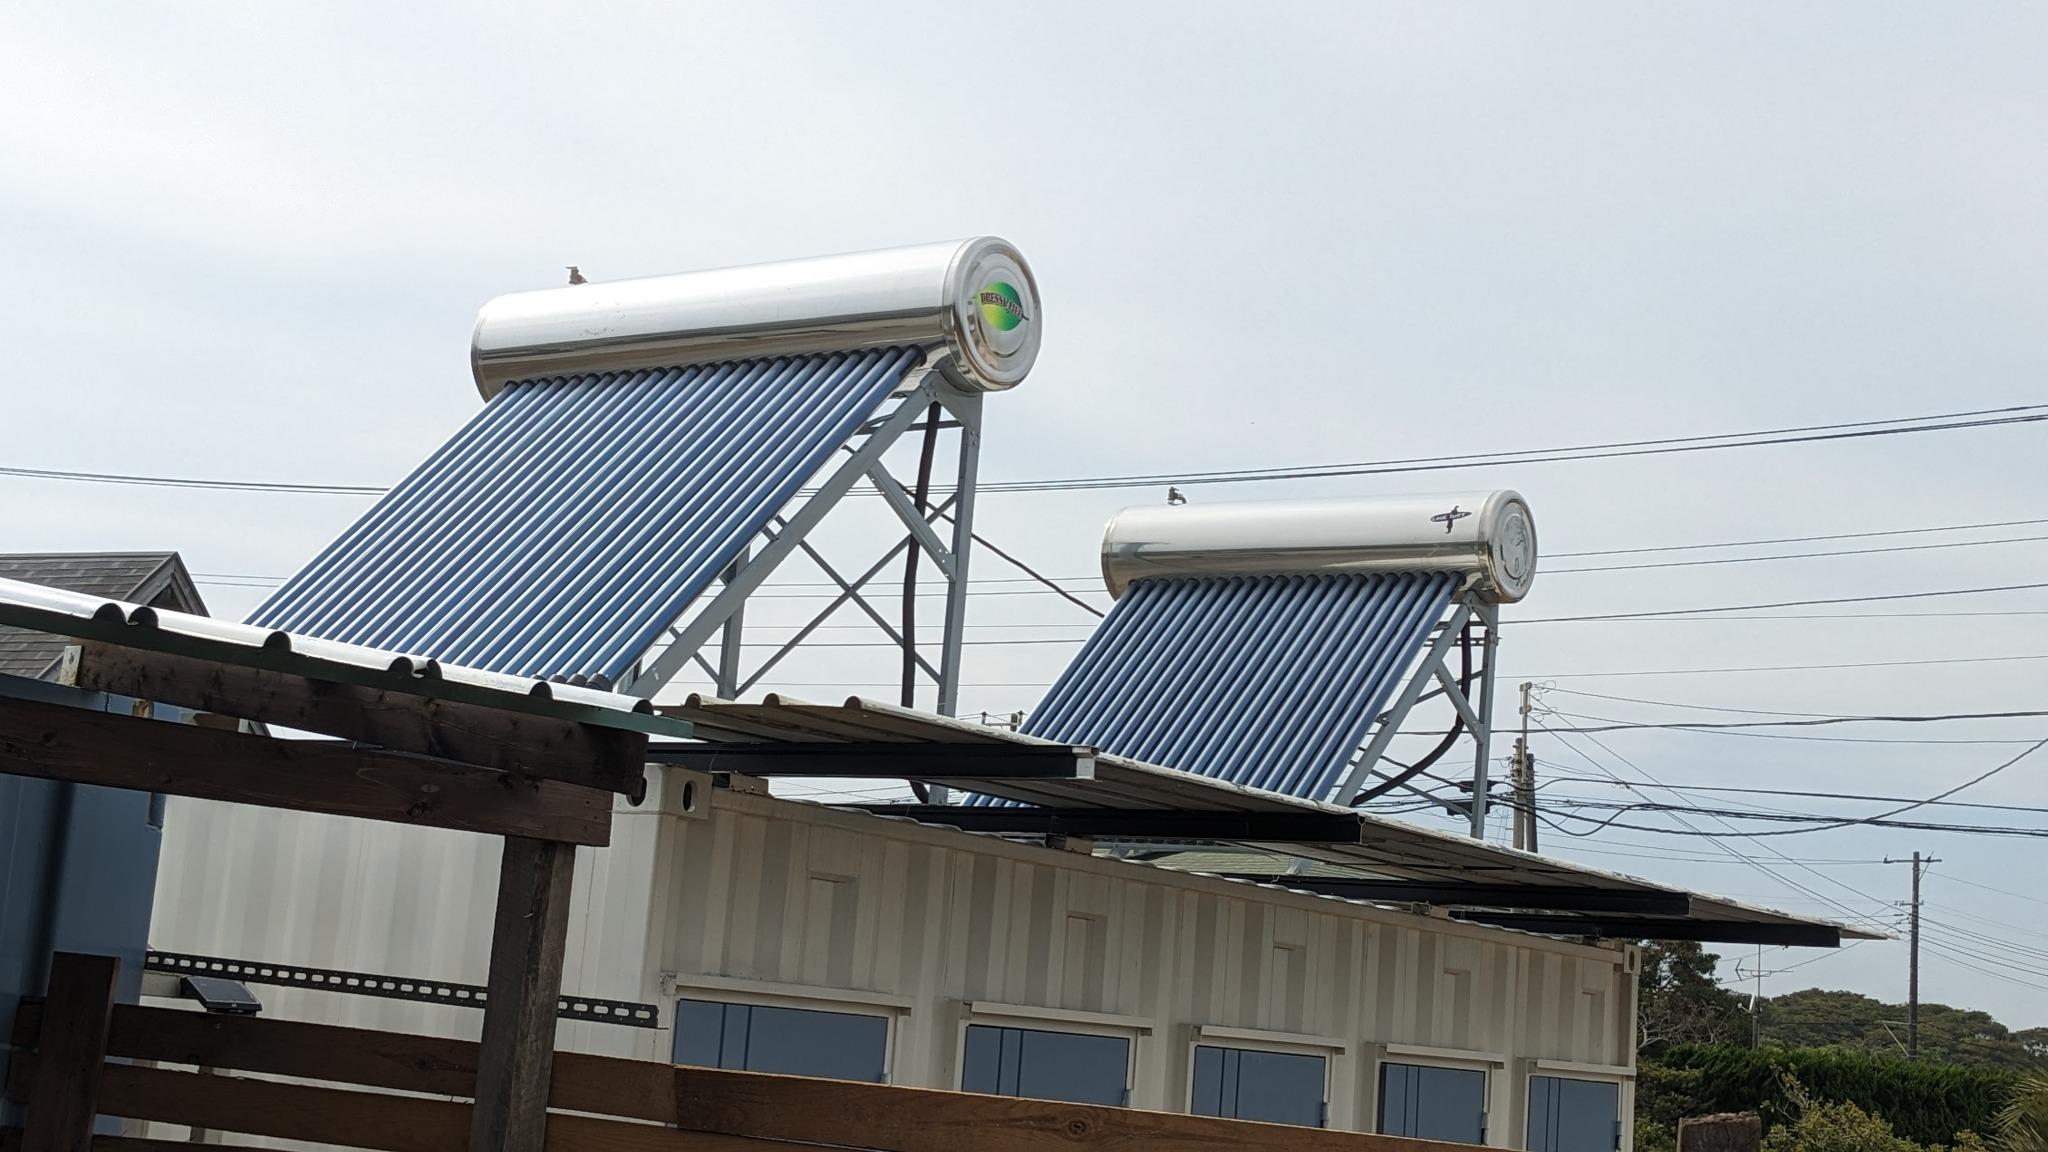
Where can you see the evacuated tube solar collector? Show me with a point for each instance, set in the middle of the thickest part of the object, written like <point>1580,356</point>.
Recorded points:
<point>1280,646</point>
<point>650,450</point>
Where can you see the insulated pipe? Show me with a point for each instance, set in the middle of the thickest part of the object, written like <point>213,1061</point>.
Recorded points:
<point>975,297</point>
<point>1487,536</point>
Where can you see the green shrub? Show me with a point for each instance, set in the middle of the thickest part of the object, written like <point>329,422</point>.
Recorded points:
<point>1926,1103</point>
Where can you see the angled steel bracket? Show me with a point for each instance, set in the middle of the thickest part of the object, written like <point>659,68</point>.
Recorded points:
<point>723,612</point>
<point>1433,667</point>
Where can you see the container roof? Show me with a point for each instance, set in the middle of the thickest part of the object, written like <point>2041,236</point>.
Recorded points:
<point>1484,882</point>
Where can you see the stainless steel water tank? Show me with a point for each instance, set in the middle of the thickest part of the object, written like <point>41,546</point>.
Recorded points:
<point>1488,534</point>
<point>975,297</point>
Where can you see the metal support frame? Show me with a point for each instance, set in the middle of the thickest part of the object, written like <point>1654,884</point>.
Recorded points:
<point>1480,894</point>
<point>1615,927</point>
<point>723,614</point>
<point>728,676</point>
<point>1475,714</point>
<point>897,759</point>
<point>594,1009</point>
<point>1173,825</point>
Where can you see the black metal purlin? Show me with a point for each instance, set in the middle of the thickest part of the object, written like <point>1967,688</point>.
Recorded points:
<point>587,1008</point>
<point>1450,893</point>
<point>980,761</point>
<point>1660,928</point>
<point>1136,823</point>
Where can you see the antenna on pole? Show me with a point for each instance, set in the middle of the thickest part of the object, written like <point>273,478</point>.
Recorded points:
<point>1523,780</point>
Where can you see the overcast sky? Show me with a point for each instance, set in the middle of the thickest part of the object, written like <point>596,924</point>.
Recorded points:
<point>249,242</point>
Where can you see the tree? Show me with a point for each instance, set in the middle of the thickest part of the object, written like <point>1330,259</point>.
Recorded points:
<point>1678,1000</point>
<point>2023,1122</point>
<point>1815,1018</point>
<point>1818,1125</point>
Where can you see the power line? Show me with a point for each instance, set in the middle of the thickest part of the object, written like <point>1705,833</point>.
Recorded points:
<point>1811,433</point>
<point>1675,703</point>
<point>1961,962</point>
<point>1820,824</point>
<point>1796,434</point>
<point>1788,667</point>
<point>1614,726</point>
<point>1057,584</point>
<point>1999,891</point>
<point>1908,807</point>
<point>1611,725</point>
<point>1797,555</point>
<point>1851,796</point>
<point>1718,844</point>
<point>1784,604</point>
<point>1802,539</point>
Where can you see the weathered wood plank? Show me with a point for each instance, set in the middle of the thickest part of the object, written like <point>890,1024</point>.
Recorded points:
<point>54,742</point>
<point>896,1119</point>
<point>606,758</point>
<point>528,938</point>
<point>285,1111</point>
<point>10,1141</point>
<point>435,1065</point>
<point>71,1049</point>
<point>379,1121</point>
<point>707,1101</point>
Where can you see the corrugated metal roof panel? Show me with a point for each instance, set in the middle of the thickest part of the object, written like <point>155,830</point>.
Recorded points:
<point>1386,847</point>
<point>1267,681</point>
<point>82,617</point>
<point>574,518</point>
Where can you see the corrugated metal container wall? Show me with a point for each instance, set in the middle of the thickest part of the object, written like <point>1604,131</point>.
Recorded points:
<point>330,892</point>
<point>574,518</point>
<point>736,895</point>
<point>1267,681</point>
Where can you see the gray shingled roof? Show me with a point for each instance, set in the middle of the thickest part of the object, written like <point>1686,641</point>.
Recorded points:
<point>155,578</point>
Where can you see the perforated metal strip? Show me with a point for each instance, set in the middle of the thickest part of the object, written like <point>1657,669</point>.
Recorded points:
<point>626,1012</point>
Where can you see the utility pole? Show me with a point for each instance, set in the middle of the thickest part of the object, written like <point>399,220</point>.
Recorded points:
<point>1756,1003</point>
<point>1524,782</point>
<point>1920,864</point>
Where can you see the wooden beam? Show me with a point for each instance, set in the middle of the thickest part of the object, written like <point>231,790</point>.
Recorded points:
<point>339,1116</point>
<point>606,758</point>
<point>528,938</point>
<point>717,1109</point>
<point>10,1141</point>
<point>894,1119</point>
<point>53,742</point>
<point>71,1049</point>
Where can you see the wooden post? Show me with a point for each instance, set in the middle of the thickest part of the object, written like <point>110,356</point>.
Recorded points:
<point>516,1057</point>
<point>64,1096</point>
<point>1730,1132</point>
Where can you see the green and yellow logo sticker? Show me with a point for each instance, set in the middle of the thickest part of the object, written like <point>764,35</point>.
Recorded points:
<point>1001,307</point>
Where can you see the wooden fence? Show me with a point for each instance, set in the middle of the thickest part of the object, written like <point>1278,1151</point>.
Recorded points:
<point>404,1093</point>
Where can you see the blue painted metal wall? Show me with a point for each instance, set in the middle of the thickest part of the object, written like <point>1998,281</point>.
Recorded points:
<point>1268,681</point>
<point>574,518</point>
<point>77,873</point>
